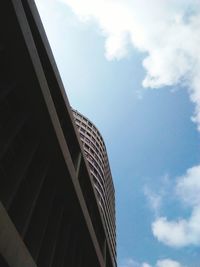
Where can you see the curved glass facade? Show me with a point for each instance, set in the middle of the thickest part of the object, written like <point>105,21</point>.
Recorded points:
<point>95,151</point>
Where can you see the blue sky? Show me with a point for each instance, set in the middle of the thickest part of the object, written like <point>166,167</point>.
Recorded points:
<point>133,69</point>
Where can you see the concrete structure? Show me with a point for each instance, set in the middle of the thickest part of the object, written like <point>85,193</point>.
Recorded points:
<point>49,212</point>
<point>95,151</point>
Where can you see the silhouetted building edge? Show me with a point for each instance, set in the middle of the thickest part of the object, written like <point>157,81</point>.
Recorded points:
<point>39,131</point>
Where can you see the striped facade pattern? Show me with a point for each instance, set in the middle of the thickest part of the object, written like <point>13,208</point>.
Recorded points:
<point>95,151</point>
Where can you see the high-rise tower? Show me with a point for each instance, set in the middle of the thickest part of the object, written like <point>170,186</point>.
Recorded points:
<point>95,151</point>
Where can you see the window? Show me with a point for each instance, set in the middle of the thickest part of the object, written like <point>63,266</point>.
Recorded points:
<point>86,146</point>
<point>82,130</point>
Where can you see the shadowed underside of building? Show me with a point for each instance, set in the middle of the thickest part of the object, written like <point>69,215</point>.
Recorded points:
<point>49,214</point>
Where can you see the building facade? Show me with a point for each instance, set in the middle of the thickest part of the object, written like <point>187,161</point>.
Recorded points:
<point>96,154</point>
<point>49,212</point>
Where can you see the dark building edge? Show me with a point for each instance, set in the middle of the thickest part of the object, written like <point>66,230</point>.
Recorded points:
<point>56,102</point>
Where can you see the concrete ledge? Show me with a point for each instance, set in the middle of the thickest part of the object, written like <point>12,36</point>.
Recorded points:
<point>12,247</point>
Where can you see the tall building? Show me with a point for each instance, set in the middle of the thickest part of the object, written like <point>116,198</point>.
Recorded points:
<point>49,211</point>
<point>95,151</point>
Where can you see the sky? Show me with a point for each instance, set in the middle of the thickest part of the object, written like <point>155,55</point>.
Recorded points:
<point>133,68</point>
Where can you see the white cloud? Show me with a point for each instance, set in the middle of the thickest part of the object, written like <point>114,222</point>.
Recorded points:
<point>156,197</point>
<point>130,263</point>
<point>168,31</point>
<point>188,186</point>
<point>159,263</point>
<point>168,263</point>
<point>146,265</point>
<point>154,200</point>
<point>183,232</point>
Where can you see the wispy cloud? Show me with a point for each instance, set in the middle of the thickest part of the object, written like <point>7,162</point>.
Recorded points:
<point>146,265</point>
<point>129,263</point>
<point>182,232</point>
<point>167,32</point>
<point>159,263</point>
<point>157,194</point>
<point>154,200</point>
<point>168,263</point>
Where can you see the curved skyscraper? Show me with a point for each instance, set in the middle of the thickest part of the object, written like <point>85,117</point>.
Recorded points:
<point>95,151</point>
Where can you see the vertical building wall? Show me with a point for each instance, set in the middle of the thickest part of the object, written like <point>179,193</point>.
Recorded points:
<point>95,151</point>
<point>49,215</point>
